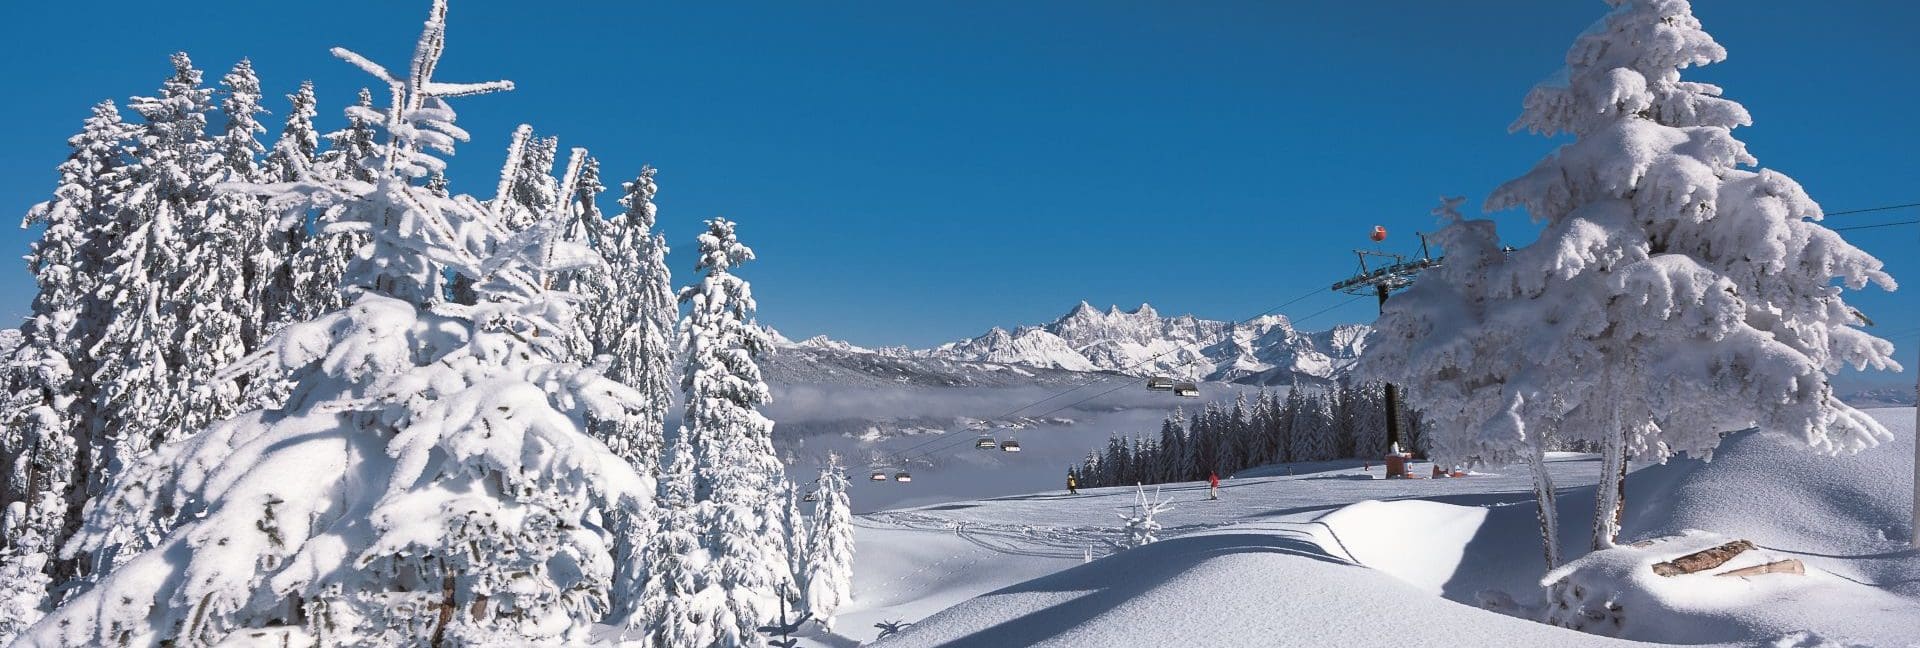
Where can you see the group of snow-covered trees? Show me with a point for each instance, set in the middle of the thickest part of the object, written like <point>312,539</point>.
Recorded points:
<point>1301,424</point>
<point>308,391</point>
<point>1676,292</point>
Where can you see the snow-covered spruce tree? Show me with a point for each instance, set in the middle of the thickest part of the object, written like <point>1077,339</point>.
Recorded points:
<point>527,188</point>
<point>223,264</point>
<point>583,224</point>
<point>527,192</point>
<point>829,577</point>
<point>294,153</point>
<point>239,152</point>
<point>678,567</point>
<point>737,479</point>
<point>799,536</point>
<point>318,269</point>
<point>137,404</point>
<point>1143,459</point>
<point>642,309</point>
<point>1675,295</point>
<point>43,468</point>
<point>1313,429</point>
<point>1173,446</point>
<point>427,481</point>
<point>1278,429</point>
<point>1370,420</point>
<point>635,320</point>
<point>1292,410</point>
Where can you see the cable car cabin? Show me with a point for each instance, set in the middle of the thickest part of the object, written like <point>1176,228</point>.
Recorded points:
<point>1186,390</point>
<point>1159,383</point>
<point>1010,445</point>
<point>902,477</point>
<point>810,497</point>
<point>878,476</point>
<point>985,443</point>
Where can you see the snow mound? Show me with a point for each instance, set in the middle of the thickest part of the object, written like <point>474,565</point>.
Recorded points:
<point>1616,592</point>
<point>1770,490</point>
<point>1252,586</point>
<point>1378,535</point>
<point>1846,518</point>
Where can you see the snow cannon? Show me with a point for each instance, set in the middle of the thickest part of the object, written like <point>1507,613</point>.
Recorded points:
<point>1379,233</point>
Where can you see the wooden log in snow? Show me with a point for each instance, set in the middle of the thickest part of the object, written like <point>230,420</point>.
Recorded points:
<point>1702,560</point>
<point>1788,566</point>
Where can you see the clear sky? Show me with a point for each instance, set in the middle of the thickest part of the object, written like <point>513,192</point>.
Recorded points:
<point>915,172</point>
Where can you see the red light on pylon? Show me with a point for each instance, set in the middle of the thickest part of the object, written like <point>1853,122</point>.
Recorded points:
<point>1379,233</point>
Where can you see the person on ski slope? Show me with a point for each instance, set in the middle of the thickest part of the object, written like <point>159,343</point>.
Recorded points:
<point>1073,485</point>
<point>1213,485</point>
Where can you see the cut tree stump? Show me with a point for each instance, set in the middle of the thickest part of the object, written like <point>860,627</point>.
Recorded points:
<point>1788,566</point>
<point>1702,560</point>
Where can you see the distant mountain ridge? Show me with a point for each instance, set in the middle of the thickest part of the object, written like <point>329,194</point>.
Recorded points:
<point>1266,350</point>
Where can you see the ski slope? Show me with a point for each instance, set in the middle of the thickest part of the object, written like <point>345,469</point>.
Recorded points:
<point>1331,555</point>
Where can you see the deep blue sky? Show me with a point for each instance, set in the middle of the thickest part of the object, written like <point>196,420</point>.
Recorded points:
<point>914,172</point>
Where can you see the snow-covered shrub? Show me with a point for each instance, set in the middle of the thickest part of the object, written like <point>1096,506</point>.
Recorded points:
<point>1139,528</point>
<point>427,480</point>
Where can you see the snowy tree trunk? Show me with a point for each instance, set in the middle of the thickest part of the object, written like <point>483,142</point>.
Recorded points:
<point>1546,506</point>
<point>1610,493</point>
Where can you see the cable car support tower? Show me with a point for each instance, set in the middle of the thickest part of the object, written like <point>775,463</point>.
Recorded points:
<point>1386,274</point>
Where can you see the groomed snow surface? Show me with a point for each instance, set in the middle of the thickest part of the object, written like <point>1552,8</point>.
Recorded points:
<point>1330,555</point>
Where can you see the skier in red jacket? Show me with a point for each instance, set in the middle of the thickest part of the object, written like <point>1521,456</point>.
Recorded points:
<point>1213,485</point>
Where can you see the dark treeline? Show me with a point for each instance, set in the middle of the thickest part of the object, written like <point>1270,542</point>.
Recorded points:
<point>1226,436</point>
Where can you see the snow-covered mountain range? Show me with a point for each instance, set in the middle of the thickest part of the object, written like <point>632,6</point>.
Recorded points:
<point>1264,351</point>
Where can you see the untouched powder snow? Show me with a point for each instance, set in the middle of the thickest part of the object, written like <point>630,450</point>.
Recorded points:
<point>1254,585</point>
<point>1317,554</point>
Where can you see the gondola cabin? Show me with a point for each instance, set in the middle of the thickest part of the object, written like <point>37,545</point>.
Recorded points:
<point>902,477</point>
<point>1159,383</point>
<point>1186,390</point>
<point>1010,445</point>
<point>986,443</point>
<point>877,476</point>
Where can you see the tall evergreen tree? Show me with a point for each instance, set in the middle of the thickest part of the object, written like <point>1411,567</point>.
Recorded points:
<point>634,321</point>
<point>46,456</point>
<point>1205,445</point>
<point>737,477</point>
<point>223,264</point>
<point>799,537</point>
<point>1240,447</point>
<point>318,269</point>
<point>1173,446</point>
<point>293,154</point>
<point>1313,428</point>
<point>676,563</point>
<point>138,405</point>
<point>829,576</point>
<point>639,313</point>
<point>1675,293</point>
